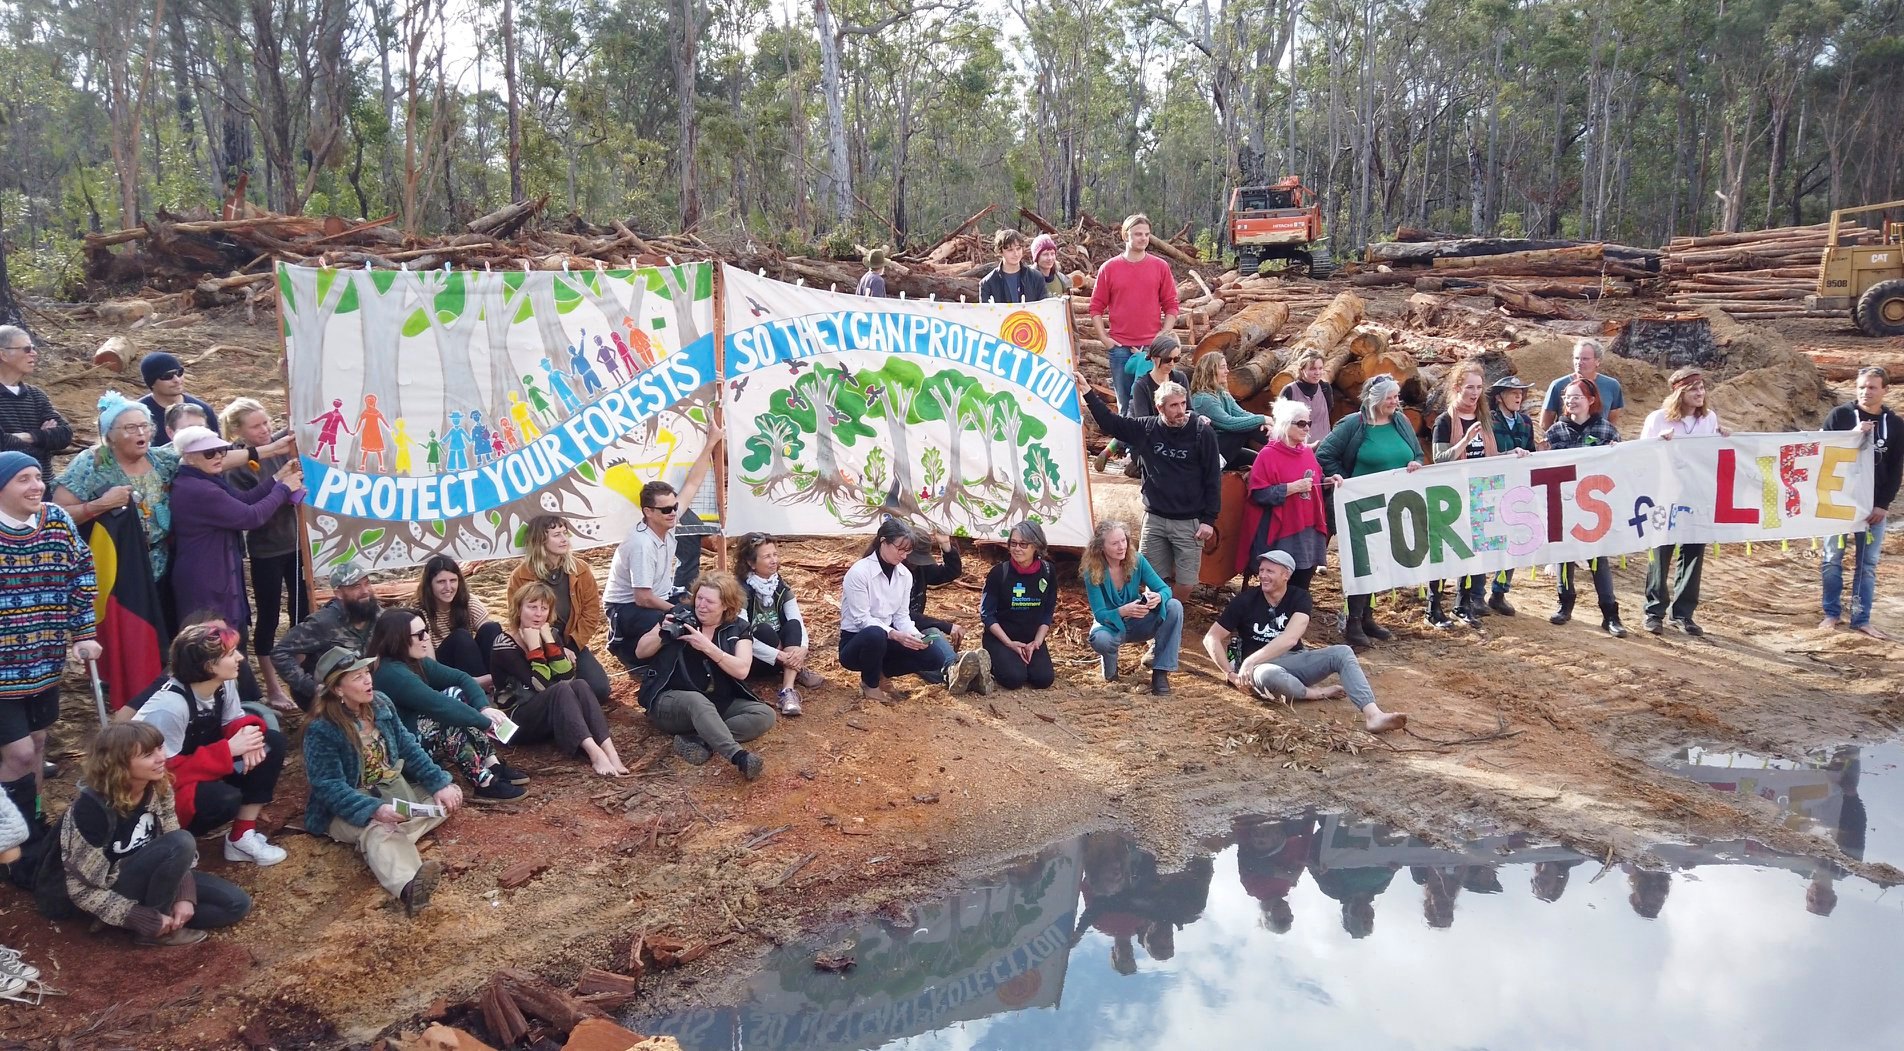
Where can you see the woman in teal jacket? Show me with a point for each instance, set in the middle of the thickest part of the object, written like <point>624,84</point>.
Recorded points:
<point>446,708</point>
<point>372,785</point>
<point>1130,603</point>
<point>1239,435</point>
<point>1378,438</point>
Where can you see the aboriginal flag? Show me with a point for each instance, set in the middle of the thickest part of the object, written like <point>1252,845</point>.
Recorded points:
<point>131,629</point>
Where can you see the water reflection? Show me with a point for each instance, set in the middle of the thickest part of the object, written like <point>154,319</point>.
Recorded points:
<point>1503,941</point>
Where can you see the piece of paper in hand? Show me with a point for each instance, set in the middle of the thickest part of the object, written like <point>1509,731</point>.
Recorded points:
<point>504,730</point>
<point>406,809</point>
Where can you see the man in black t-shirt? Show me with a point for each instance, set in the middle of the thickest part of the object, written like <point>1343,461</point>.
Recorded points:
<point>1885,431</point>
<point>1257,641</point>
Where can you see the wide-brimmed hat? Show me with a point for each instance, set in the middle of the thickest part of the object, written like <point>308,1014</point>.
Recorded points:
<point>1510,383</point>
<point>341,660</point>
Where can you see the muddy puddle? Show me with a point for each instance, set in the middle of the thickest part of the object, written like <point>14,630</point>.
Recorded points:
<point>1328,931</point>
<point>1852,795</point>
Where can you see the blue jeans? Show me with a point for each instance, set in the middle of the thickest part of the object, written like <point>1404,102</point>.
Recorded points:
<point>1869,544</point>
<point>1121,379</point>
<point>1165,624</point>
<point>875,656</point>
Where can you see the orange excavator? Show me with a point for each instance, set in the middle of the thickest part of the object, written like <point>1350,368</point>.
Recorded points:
<point>1278,221</point>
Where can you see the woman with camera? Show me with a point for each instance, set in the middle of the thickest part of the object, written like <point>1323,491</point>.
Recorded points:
<point>693,668</point>
<point>538,685</point>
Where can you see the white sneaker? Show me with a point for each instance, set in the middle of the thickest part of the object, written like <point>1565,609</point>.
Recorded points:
<point>253,847</point>
<point>12,966</point>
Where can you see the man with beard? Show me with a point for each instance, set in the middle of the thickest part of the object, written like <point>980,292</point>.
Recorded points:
<point>1181,483</point>
<point>344,621</point>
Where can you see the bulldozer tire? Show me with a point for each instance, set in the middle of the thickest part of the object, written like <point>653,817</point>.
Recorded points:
<point>1880,311</point>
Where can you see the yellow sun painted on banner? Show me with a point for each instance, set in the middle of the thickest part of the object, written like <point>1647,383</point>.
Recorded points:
<point>1023,328</point>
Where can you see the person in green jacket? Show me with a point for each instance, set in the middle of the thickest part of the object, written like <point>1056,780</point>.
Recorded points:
<point>1378,438</point>
<point>1130,603</point>
<point>445,708</point>
<point>1239,435</point>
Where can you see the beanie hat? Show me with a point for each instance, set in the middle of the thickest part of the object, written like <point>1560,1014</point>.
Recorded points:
<point>157,364</point>
<point>13,462</point>
<point>113,405</point>
<point>1041,244</point>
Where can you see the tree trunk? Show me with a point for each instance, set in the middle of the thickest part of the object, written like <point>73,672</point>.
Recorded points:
<point>686,49</point>
<point>838,173</point>
<point>1237,337</point>
<point>515,108</point>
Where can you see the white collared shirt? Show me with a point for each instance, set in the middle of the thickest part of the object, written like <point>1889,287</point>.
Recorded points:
<point>645,559</point>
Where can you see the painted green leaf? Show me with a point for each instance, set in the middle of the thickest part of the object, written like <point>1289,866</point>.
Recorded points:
<point>703,281</point>
<point>513,280</point>
<point>347,303</point>
<point>495,518</point>
<point>371,536</point>
<point>438,527</point>
<point>348,554</point>
<point>522,534</point>
<point>587,471</point>
<point>415,325</point>
<point>523,312</point>
<point>325,279</point>
<point>382,280</point>
<point>698,415</point>
<point>449,302</point>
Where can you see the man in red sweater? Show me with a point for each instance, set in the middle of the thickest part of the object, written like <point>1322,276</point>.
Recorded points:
<point>1137,296</point>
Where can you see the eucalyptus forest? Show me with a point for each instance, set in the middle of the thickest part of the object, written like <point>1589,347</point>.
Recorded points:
<point>824,123</point>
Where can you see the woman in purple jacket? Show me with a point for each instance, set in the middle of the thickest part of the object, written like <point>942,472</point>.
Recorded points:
<point>209,520</point>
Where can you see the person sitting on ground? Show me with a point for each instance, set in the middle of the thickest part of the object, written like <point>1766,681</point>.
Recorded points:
<point>1044,260</point>
<point>1464,432</point>
<point>538,686</point>
<point>1582,427</point>
<point>1286,511</point>
<point>446,709</point>
<point>1513,431</point>
<point>164,376</point>
<point>1129,603</point>
<point>779,632</point>
<point>1011,281</point>
<point>367,773</point>
<point>1150,370</point>
<point>877,636</point>
<point>1182,478</point>
<point>224,761</point>
<point>16,975</point>
<point>694,677</point>
<point>577,616</point>
<point>1257,641</point>
<point>344,621</point>
<point>1378,438</point>
<point>935,561</point>
<point>1312,390</point>
<point>645,577</point>
<point>460,628</point>
<point>127,862</point>
<point>1239,434</point>
<point>277,576</point>
<point>1017,607</point>
<point>1885,430</point>
<point>1684,414</point>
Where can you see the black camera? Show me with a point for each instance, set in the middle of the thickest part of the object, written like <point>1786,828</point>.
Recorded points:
<point>678,621</point>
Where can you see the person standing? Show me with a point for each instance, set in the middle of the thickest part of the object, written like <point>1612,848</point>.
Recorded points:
<point>1583,427</point>
<point>1151,369</point>
<point>1464,432</point>
<point>277,580</point>
<point>1513,431</point>
<point>1587,356</point>
<point>873,282</point>
<point>1239,434</point>
<point>1182,467</point>
<point>46,610</point>
<point>1312,390</point>
<point>164,377</point>
<point>210,520</point>
<point>28,421</point>
<point>1684,414</point>
<point>1133,304</point>
<point>1885,430</point>
<point>1286,511</point>
<point>1044,259</point>
<point>1011,281</point>
<point>1376,439</point>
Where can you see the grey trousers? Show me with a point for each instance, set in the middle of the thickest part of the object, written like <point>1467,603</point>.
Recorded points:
<point>1173,549</point>
<point>686,712</point>
<point>1288,676</point>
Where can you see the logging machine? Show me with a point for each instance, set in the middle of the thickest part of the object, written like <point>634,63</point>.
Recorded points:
<point>1278,221</point>
<point>1865,279</point>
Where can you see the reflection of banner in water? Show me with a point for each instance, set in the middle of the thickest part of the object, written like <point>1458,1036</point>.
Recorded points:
<point>1349,844</point>
<point>999,947</point>
<point>1805,792</point>
<point>1479,516</point>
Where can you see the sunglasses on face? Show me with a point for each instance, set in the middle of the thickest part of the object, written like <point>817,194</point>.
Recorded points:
<point>420,635</point>
<point>19,346</point>
<point>668,510</point>
<point>172,375</point>
<point>1299,423</point>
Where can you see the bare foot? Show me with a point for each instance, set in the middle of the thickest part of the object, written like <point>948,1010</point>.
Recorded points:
<point>1324,693</point>
<point>605,768</point>
<point>282,702</point>
<point>1382,722</point>
<point>1873,632</point>
<point>1829,623</point>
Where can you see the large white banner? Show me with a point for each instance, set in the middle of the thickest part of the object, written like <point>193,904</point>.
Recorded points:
<point>842,409</point>
<point>1398,529</point>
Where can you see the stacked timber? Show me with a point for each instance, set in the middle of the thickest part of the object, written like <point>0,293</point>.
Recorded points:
<point>1524,277</point>
<point>1756,273</point>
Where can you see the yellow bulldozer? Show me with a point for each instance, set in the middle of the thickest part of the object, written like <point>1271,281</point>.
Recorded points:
<point>1867,280</point>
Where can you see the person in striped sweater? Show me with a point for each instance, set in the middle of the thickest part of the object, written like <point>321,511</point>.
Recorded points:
<point>46,606</point>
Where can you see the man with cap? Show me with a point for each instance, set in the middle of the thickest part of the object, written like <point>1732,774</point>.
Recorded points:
<point>28,421</point>
<point>46,609</point>
<point>1257,641</point>
<point>343,621</point>
<point>164,375</point>
<point>1133,305</point>
<point>873,281</point>
<point>1513,429</point>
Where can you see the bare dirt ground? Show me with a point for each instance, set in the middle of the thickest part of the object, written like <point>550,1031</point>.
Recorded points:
<point>1547,728</point>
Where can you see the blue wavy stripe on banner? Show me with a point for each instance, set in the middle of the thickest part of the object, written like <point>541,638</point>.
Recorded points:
<point>893,332</point>
<point>456,494</point>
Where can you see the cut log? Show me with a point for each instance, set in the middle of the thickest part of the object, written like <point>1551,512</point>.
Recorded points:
<point>1254,375</point>
<point>1575,254</point>
<point>1173,253</point>
<point>1524,304</point>
<point>1331,326</point>
<point>1238,336</point>
<point>509,218</point>
<point>537,998</point>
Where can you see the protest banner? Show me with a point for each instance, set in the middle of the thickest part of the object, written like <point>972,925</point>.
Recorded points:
<point>842,409</point>
<point>438,411</point>
<point>1399,529</point>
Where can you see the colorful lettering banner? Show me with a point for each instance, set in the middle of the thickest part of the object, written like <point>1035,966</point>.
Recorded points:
<point>438,411</point>
<point>1397,529</point>
<point>842,409</point>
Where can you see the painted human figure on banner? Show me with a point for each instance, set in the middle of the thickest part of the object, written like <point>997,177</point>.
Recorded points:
<point>457,440</point>
<point>400,438</point>
<point>545,412</point>
<point>479,438</point>
<point>560,385</point>
<point>644,349</point>
<point>328,425</point>
<point>525,423</point>
<point>578,363</point>
<point>606,355</point>
<point>621,351</point>
<point>433,453</point>
<point>371,426</point>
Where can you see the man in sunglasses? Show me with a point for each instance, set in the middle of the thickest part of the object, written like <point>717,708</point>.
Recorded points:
<point>646,578</point>
<point>164,375</point>
<point>28,421</point>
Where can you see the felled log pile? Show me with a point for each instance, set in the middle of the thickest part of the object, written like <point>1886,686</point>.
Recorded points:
<point>1755,273</point>
<point>1524,277</point>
